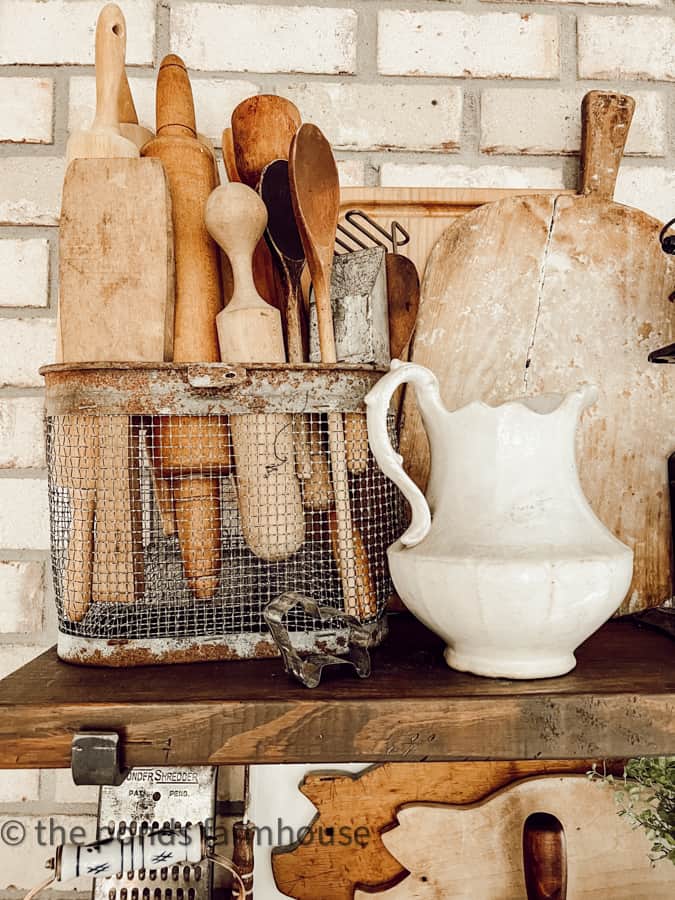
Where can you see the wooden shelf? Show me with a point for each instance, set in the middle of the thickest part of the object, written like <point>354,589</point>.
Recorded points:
<point>619,702</point>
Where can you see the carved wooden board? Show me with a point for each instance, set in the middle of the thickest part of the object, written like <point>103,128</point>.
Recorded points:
<point>475,852</point>
<point>330,869</point>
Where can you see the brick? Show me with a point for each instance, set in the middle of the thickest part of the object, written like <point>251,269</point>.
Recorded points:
<point>544,121</point>
<point>612,47</point>
<point>249,38</point>
<point>24,515</point>
<point>25,345</point>
<point>650,188</point>
<point>215,98</point>
<point>457,44</point>
<point>352,172</point>
<point>19,786</point>
<point>22,433</point>
<point>22,591</point>
<point>26,107</point>
<point>457,176</point>
<point>22,866</point>
<point>61,32</point>
<point>30,190</point>
<point>66,791</point>
<point>12,657</point>
<point>24,265</point>
<point>382,116</point>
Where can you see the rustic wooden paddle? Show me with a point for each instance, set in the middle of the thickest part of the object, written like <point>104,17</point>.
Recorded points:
<point>284,240</point>
<point>541,293</point>
<point>249,330</point>
<point>315,191</point>
<point>544,857</point>
<point>101,318</point>
<point>192,450</point>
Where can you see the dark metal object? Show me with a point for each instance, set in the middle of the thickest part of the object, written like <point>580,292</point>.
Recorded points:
<point>95,759</point>
<point>666,240</point>
<point>308,670</point>
<point>397,237</point>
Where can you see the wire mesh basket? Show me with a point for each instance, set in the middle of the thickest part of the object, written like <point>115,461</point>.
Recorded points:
<point>185,498</point>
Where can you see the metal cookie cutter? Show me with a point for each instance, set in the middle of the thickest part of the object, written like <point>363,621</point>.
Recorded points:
<point>308,669</point>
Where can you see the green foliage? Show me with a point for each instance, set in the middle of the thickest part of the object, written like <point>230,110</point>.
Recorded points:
<point>646,797</point>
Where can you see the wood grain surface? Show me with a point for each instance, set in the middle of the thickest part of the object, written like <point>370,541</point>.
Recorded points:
<point>618,702</point>
<point>332,869</point>
<point>475,852</point>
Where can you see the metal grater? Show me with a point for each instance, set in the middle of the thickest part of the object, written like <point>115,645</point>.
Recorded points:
<point>152,798</point>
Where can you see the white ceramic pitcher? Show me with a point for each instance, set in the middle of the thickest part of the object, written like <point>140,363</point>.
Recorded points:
<point>504,558</point>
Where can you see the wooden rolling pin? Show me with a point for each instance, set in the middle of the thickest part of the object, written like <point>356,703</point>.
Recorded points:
<point>193,450</point>
<point>249,330</point>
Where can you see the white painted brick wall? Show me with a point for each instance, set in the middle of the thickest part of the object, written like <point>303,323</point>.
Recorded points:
<point>491,45</point>
<point>619,47</point>
<point>249,38</point>
<point>24,520</point>
<point>383,116</point>
<point>412,93</point>
<point>22,587</point>
<point>542,121</point>
<point>26,107</point>
<point>24,264</point>
<point>61,32</point>
<point>22,867</point>
<point>25,345</point>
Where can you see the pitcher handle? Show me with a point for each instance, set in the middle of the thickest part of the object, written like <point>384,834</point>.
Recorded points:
<point>391,462</point>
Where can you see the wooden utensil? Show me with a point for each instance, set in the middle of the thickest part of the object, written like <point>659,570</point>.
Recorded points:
<point>510,305</point>
<point>262,130</point>
<point>544,857</point>
<point>284,240</point>
<point>444,847</point>
<point>403,290</point>
<point>315,191</point>
<point>229,157</point>
<point>128,117</point>
<point>370,800</point>
<point>249,330</point>
<point>192,449</point>
<point>103,139</point>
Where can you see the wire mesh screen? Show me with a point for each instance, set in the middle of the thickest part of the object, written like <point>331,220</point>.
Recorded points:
<point>171,527</point>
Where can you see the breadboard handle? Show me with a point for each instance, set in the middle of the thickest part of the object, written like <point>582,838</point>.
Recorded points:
<point>605,122</point>
<point>111,46</point>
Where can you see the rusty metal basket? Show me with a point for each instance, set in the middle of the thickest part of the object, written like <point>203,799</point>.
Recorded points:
<point>184,499</point>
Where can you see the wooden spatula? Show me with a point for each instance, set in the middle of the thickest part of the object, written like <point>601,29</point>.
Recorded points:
<point>284,239</point>
<point>315,190</point>
<point>249,330</point>
<point>192,450</point>
<point>544,857</point>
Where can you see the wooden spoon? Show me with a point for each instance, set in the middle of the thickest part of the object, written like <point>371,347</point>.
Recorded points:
<point>228,156</point>
<point>284,240</point>
<point>403,289</point>
<point>544,857</point>
<point>315,192</point>
<point>262,130</point>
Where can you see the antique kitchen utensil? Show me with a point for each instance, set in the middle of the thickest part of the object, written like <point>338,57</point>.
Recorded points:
<point>128,117</point>
<point>491,531</point>
<point>191,449</point>
<point>345,801</point>
<point>444,847</point>
<point>544,857</point>
<point>249,330</point>
<point>229,158</point>
<point>262,130</point>
<point>528,273</point>
<point>284,240</point>
<point>403,289</point>
<point>103,139</point>
<point>315,191</point>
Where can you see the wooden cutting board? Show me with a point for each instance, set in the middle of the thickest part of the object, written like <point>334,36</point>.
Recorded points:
<point>331,869</point>
<point>475,852</point>
<point>542,293</point>
<point>116,304</point>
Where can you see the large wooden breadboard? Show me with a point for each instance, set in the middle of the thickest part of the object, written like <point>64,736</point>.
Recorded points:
<point>475,852</point>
